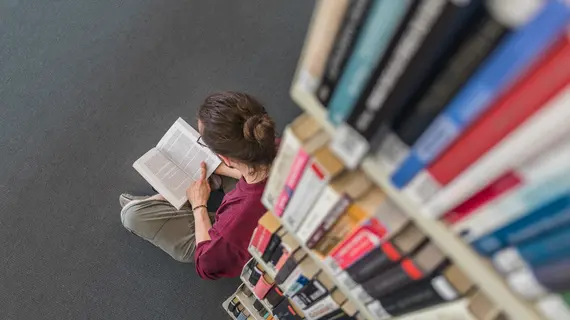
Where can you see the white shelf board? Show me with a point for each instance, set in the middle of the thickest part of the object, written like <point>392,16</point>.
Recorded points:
<point>477,269</point>
<point>266,267</point>
<point>248,304</point>
<point>225,305</point>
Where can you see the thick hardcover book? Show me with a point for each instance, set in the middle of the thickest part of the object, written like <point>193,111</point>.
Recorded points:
<point>348,185</point>
<point>362,209</point>
<point>298,132</point>
<point>297,168</point>
<point>321,168</point>
<point>379,28</point>
<point>306,270</point>
<point>326,306</point>
<point>547,218</point>
<point>327,20</point>
<point>256,273</point>
<point>476,44</point>
<point>274,296</point>
<point>532,283</point>
<point>440,288</point>
<point>263,286</point>
<point>273,245</point>
<point>426,261</point>
<point>547,249</point>
<point>344,44</point>
<point>508,181</point>
<point>544,181</point>
<point>276,255</point>
<point>387,254</point>
<point>546,127</point>
<point>313,291</point>
<point>268,225</point>
<point>547,76</point>
<point>508,62</point>
<point>290,265</point>
<point>386,222</point>
<point>416,61</point>
<point>286,311</point>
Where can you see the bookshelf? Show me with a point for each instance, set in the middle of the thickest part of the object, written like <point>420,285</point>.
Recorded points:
<point>225,305</point>
<point>267,268</point>
<point>479,270</point>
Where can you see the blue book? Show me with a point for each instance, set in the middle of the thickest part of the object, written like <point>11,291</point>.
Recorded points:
<point>545,250</point>
<point>380,26</point>
<point>549,217</point>
<point>509,61</point>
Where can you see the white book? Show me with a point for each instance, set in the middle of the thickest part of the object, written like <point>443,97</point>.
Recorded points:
<point>553,307</point>
<point>523,282</point>
<point>532,137</point>
<point>544,179</point>
<point>174,163</point>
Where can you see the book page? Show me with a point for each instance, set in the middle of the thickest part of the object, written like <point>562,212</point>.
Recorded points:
<point>166,177</point>
<point>180,146</point>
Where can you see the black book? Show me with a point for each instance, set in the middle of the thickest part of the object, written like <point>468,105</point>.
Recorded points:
<point>285,311</point>
<point>343,47</point>
<point>289,265</point>
<point>274,296</point>
<point>485,35</point>
<point>276,255</point>
<point>257,305</point>
<point>273,244</point>
<point>255,275</point>
<point>429,40</point>
<point>313,291</point>
<point>387,255</point>
<point>442,287</point>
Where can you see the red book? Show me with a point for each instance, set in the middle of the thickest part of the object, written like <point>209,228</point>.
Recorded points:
<point>255,238</point>
<point>498,187</point>
<point>268,225</point>
<point>546,77</point>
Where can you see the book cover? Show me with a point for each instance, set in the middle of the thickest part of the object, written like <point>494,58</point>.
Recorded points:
<point>297,168</point>
<point>506,182</point>
<point>292,262</point>
<point>274,296</point>
<point>426,261</point>
<point>429,40</point>
<point>544,178</point>
<point>387,254</point>
<point>378,29</point>
<point>313,291</point>
<point>274,242</point>
<point>543,129</point>
<point>300,130</point>
<point>263,286</point>
<point>268,225</point>
<point>344,43</point>
<point>547,218</point>
<point>549,75</point>
<point>325,306</point>
<point>532,283</point>
<point>546,249</point>
<point>440,288</point>
<point>350,184</point>
<point>299,277</point>
<point>357,212</point>
<point>483,36</point>
<point>276,256</point>
<point>510,60</point>
<point>321,168</point>
<point>327,20</point>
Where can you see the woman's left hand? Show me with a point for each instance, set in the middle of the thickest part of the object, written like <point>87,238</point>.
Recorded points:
<point>199,192</point>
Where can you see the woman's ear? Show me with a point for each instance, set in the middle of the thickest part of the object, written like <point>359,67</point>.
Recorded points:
<point>226,160</point>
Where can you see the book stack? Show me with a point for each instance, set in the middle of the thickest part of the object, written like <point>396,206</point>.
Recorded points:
<point>428,178</point>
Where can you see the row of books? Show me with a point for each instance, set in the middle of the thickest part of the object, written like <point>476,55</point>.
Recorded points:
<point>364,237</point>
<point>237,309</point>
<point>448,95</point>
<point>390,281</point>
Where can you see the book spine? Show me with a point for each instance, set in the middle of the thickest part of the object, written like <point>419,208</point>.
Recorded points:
<point>328,19</point>
<point>382,258</point>
<point>255,238</point>
<point>471,52</point>
<point>359,243</point>
<point>322,308</point>
<point>276,255</point>
<point>545,219</point>
<point>543,183</point>
<point>504,65</point>
<point>545,127</point>
<point>309,294</point>
<point>327,201</point>
<point>293,178</point>
<point>271,247</point>
<point>343,47</point>
<point>507,182</point>
<point>393,278</point>
<point>264,239</point>
<point>547,249</point>
<point>285,271</point>
<point>553,307</point>
<point>296,285</point>
<point>328,222</point>
<point>377,31</point>
<point>288,149</point>
<point>420,295</point>
<point>426,42</point>
<point>309,188</point>
<point>549,75</point>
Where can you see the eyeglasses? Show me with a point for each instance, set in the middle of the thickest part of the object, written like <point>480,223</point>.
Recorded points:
<point>199,141</point>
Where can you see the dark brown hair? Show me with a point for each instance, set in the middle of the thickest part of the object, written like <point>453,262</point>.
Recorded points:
<point>237,126</point>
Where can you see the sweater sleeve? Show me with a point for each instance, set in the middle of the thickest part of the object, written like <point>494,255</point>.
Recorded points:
<point>217,258</point>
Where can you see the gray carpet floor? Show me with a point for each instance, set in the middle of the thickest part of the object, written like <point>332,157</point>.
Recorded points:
<point>86,87</point>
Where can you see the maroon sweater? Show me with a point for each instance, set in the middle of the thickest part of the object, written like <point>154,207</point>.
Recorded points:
<point>226,253</point>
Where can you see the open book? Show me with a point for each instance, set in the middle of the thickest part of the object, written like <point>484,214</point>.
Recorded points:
<point>174,163</point>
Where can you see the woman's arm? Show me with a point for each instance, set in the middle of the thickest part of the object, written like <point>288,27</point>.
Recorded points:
<point>202,225</point>
<point>224,170</point>
<point>198,195</point>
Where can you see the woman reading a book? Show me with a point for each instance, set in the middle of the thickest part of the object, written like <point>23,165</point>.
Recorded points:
<point>238,129</point>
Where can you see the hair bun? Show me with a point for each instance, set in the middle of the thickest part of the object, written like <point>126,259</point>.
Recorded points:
<point>258,128</point>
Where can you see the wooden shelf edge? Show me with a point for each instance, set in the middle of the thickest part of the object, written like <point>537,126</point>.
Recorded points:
<point>477,269</point>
